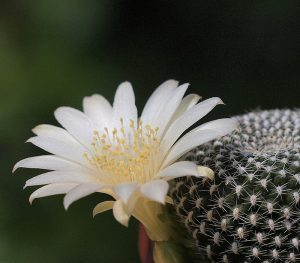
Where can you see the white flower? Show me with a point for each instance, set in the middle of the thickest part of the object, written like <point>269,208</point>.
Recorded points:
<point>108,149</point>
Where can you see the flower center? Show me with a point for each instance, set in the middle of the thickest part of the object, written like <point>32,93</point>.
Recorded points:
<point>126,155</point>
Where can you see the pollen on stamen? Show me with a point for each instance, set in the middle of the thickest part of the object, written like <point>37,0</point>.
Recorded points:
<point>127,154</point>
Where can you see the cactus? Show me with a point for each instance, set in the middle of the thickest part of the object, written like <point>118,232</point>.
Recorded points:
<point>250,212</point>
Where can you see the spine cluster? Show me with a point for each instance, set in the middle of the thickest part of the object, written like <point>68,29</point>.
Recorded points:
<point>250,212</point>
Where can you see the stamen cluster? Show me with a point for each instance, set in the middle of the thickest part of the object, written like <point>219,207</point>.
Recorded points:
<point>125,156</point>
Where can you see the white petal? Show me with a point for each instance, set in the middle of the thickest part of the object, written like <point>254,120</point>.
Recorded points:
<point>195,138</point>
<point>51,189</point>
<point>49,162</point>
<point>124,191</point>
<point>79,192</point>
<point>124,106</point>
<point>121,213</point>
<point>98,109</point>
<point>188,102</point>
<point>219,125</point>
<point>59,137</point>
<point>102,207</point>
<point>157,100</point>
<point>179,169</point>
<point>77,124</point>
<point>186,120</point>
<point>48,130</point>
<point>206,172</point>
<point>59,177</point>
<point>163,118</point>
<point>155,190</point>
<point>64,146</point>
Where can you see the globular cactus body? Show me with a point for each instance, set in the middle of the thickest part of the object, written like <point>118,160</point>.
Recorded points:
<point>250,212</point>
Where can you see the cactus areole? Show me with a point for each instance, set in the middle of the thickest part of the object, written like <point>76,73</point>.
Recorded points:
<point>250,212</point>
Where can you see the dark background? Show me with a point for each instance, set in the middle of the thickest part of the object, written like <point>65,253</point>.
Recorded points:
<point>54,53</point>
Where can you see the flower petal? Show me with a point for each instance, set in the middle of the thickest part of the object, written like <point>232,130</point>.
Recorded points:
<point>206,172</point>
<point>124,107</point>
<point>51,189</point>
<point>197,137</point>
<point>124,191</point>
<point>49,130</point>
<point>186,120</point>
<point>121,213</point>
<point>77,124</point>
<point>49,162</point>
<point>163,118</point>
<point>187,102</point>
<point>179,169</point>
<point>132,201</point>
<point>169,200</point>
<point>155,190</point>
<point>98,109</point>
<point>102,207</point>
<point>219,125</point>
<point>62,145</point>
<point>59,177</point>
<point>79,192</point>
<point>157,100</point>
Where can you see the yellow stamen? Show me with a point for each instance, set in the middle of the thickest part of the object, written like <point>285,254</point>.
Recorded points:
<point>130,154</point>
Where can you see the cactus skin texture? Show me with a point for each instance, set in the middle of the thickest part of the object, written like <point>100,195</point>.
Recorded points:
<point>250,212</point>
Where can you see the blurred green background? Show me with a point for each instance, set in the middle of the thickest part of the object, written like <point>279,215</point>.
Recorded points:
<point>53,53</point>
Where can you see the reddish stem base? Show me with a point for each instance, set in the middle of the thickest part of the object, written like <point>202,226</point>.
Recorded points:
<point>145,246</point>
